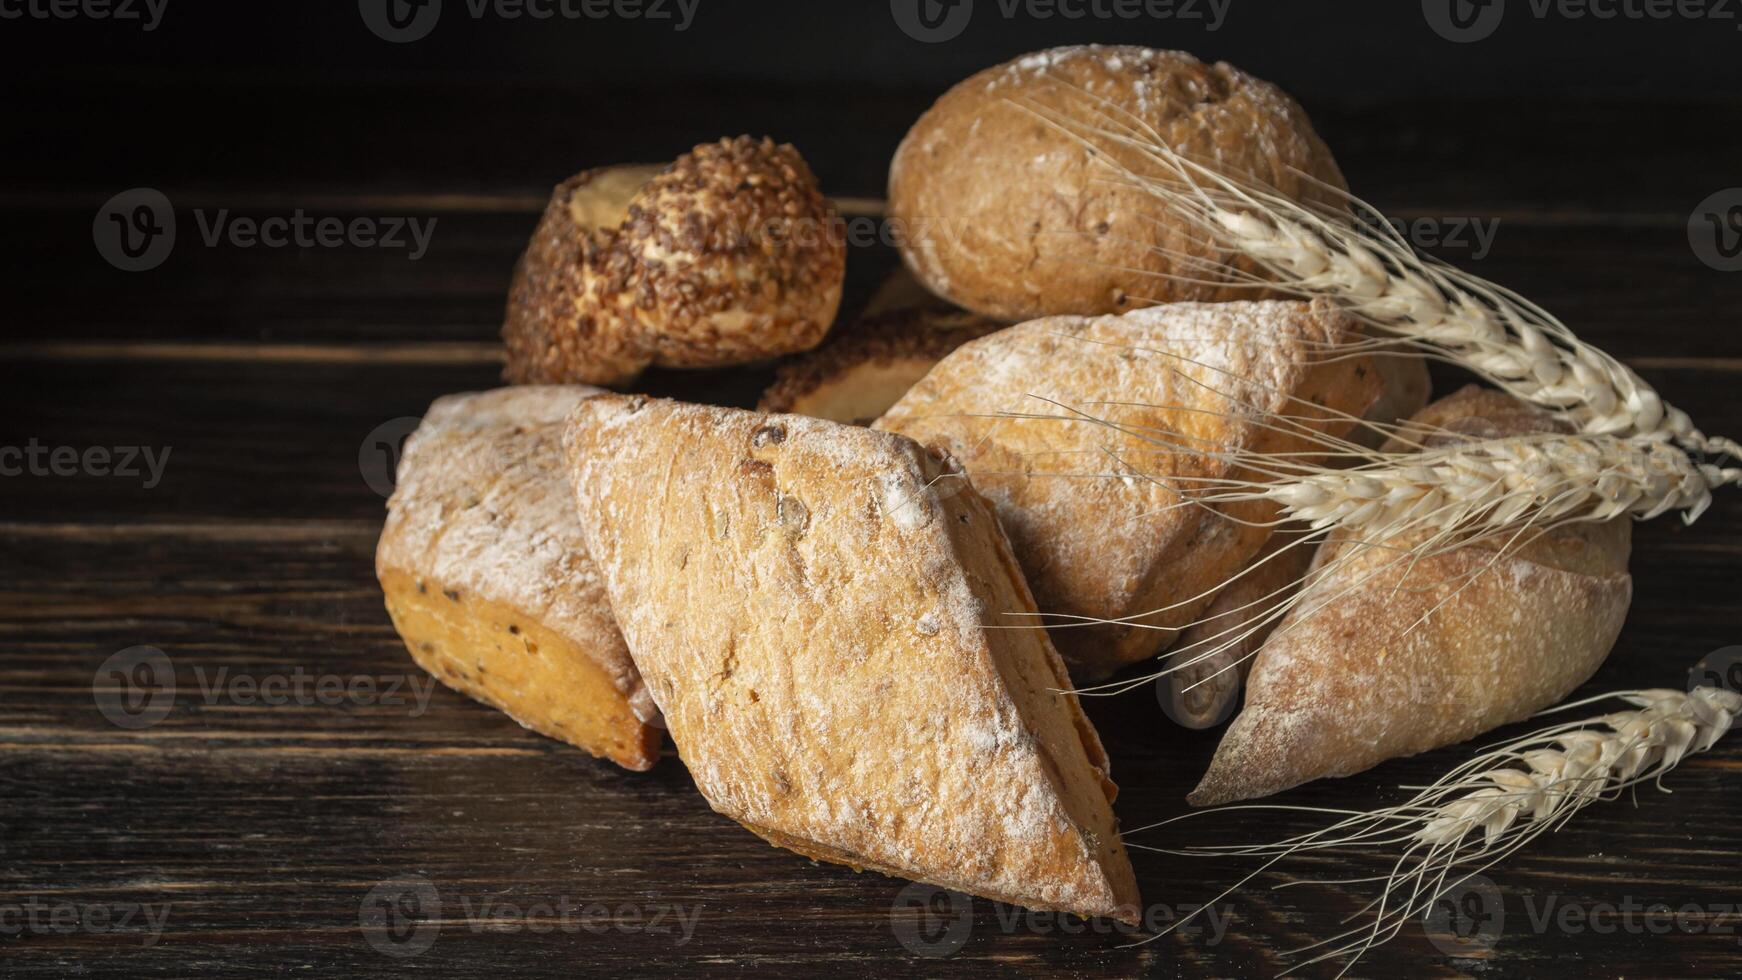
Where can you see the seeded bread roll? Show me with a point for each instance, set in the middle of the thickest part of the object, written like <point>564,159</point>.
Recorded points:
<point>1091,508</point>
<point>1009,217</point>
<point>489,583</point>
<point>731,254</point>
<point>861,371</point>
<point>1387,657</point>
<point>811,614</point>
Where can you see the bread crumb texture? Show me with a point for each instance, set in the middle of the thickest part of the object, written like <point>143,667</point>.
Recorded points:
<point>487,577</point>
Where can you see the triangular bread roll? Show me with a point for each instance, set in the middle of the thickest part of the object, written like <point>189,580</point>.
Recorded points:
<point>488,581</point>
<point>808,605</point>
<point>1386,657</point>
<point>1181,382</point>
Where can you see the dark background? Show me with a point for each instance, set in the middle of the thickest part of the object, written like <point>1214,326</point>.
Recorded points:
<point>1348,51</point>
<point>1592,143</point>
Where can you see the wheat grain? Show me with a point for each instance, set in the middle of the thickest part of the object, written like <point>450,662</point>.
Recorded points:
<point>1481,488</point>
<point>1379,278</point>
<point>1496,803</point>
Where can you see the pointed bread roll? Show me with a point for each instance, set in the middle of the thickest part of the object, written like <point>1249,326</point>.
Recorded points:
<point>1202,377</point>
<point>1500,636</point>
<point>809,612</point>
<point>488,581</point>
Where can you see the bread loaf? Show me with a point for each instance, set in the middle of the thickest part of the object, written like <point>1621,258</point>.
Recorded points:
<point>863,370</point>
<point>1088,506</point>
<point>1387,657</point>
<point>731,254</point>
<point>1214,654</point>
<point>810,613</point>
<point>1010,217</point>
<point>489,583</point>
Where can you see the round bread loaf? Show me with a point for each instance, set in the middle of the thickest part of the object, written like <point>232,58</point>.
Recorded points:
<point>731,254</point>
<point>1007,215</point>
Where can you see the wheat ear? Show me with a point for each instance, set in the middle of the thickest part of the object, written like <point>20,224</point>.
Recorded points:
<point>1498,802</point>
<point>1381,280</point>
<point>1480,488</point>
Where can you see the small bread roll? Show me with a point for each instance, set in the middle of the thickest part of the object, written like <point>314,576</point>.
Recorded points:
<point>1010,217</point>
<point>860,372</point>
<point>811,612</point>
<point>1089,507</point>
<point>731,254</point>
<point>489,583</point>
<point>1407,388</point>
<point>1410,657</point>
<point>1215,653</point>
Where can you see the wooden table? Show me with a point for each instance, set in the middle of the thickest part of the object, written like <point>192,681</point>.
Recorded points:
<point>272,838</point>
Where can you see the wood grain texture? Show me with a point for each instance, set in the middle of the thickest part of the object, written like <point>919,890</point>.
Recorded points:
<point>263,827</point>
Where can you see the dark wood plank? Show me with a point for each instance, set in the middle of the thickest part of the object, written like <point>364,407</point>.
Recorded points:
<point>1638,290</point>
<point>265,826</point>
<point>289,137</point>
<point>270,440</point>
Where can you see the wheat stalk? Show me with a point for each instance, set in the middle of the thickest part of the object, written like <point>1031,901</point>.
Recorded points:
<point>1498,802</point>
<point>1443,493</point>
<point>1481,488</point>
<point>1375,274</point>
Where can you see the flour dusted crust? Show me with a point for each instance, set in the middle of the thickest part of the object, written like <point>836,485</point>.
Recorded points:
<point>1007,216</point>
<point>488,581</point>
<point>1340,691</point>
<point>809,611</point>
<point>730,254</point>
<point>1086,505</point>
<point>860,372</point>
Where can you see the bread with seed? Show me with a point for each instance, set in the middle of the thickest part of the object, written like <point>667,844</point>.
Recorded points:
<point>730,254</point>
<point>862,370</point>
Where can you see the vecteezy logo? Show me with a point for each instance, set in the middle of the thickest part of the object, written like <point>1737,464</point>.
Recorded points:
<point>932,21</point>
<point>400,21</point>
<point>135,230</point>
<point>1468,919</point>
<point>401,917</point>
<point>378,456</point>
<point>931,921</point>
<point>1197,698</point>
<point>1463,21</point>
<point>1715,230</point>
<point>135,688</point>
<point>1720,668</point>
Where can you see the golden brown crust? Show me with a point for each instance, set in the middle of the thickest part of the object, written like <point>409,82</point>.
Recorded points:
<point>1009,217</point>
<point>1500,636</point>
<point>488,580</point>
<point>810,614</point>
<point>1087,507</point>
<point>729,255</point>
<point>862,371</point>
